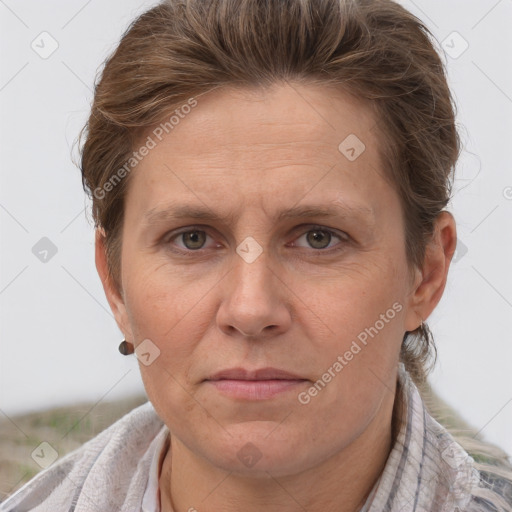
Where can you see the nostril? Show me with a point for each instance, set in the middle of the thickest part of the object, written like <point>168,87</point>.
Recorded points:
<point>249,335</point>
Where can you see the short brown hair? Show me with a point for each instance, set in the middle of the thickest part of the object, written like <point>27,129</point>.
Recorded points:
<point>373,49</point>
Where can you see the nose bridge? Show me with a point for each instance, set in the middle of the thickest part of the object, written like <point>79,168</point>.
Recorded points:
<point>251,304</point>
<point>254,278</point>
<point>252,274</point>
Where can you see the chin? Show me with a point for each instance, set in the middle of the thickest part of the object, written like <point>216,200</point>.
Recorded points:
<point>257,450</point>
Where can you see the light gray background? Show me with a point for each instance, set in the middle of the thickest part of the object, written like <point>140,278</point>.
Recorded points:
<point>58,340</point>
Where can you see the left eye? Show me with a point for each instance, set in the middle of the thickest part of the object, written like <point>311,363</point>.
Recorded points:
<point>320,238</point>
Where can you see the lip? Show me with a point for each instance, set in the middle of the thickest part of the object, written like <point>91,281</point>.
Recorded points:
<point>259,384</point>
<point>268,373</point>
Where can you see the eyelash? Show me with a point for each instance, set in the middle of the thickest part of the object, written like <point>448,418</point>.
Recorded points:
<point>188,252</point>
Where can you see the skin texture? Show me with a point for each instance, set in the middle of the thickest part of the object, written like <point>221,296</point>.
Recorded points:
<point>249,154</point>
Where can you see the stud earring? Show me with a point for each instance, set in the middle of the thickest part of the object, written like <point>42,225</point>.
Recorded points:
<point>126,348</point>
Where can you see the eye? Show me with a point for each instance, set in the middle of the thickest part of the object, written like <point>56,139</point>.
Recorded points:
<point>319,237</point>
<point>193,239</point>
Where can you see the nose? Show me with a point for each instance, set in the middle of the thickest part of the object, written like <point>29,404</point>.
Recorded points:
<point>255,301</point>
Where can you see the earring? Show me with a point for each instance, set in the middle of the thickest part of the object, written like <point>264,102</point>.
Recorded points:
<point>126,348</point>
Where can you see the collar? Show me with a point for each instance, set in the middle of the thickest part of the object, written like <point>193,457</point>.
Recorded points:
<point>426,468</point>
<point>151,498</point>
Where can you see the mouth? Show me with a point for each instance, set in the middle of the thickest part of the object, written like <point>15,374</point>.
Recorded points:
<point>258,384</point>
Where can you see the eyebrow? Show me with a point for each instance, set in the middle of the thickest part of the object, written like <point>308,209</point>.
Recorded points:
<point>182,211</point>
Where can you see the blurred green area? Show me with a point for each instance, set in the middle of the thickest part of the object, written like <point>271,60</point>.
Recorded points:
<point>64,428</point>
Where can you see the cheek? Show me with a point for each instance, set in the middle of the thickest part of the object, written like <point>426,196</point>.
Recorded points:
<point>363,308</point>
<point>170,316</point>
<point>174,312</point>
<point>355,297</point>
<point>355,364</point>
<point>161,303</point>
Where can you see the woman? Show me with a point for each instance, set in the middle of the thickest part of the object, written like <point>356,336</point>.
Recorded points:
<point>269,181</point>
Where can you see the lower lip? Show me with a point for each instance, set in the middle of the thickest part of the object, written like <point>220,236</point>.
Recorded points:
<point>255,389</point>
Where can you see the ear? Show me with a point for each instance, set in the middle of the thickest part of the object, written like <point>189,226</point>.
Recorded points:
<point>114,297</point>
<point>431,278</point>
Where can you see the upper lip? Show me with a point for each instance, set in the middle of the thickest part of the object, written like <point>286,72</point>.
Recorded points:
<point>258,374</point>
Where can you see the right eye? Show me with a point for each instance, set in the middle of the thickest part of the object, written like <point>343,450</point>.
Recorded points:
<point>192,239</point>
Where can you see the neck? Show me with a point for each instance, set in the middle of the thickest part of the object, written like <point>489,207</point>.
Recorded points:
<point>347,477</point>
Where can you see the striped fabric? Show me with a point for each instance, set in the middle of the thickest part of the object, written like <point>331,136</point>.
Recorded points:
<point>426,471</point>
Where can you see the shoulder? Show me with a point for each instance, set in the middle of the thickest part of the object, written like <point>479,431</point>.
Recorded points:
<point>466,484</point>
<point>114,459</point>
<point>451,478</point>
<point>493,493</point>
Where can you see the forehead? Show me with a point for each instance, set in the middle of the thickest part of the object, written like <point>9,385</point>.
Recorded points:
<point>251,144</point>
<point>282,118</point>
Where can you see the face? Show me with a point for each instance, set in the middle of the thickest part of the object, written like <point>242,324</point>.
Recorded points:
<point>297,263</point>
